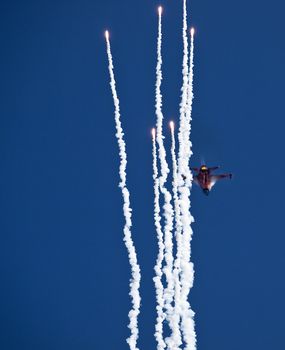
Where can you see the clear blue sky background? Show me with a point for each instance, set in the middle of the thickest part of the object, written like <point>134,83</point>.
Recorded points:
<point>64,268</point>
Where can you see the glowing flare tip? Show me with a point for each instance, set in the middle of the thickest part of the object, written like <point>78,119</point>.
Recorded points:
<point>153,132</point>
<point>192,31</point>
<point>160,10</point>
<point>107,35</point>
<point>171,124</point>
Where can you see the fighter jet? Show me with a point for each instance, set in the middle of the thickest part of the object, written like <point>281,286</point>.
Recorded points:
<point>205,179</point>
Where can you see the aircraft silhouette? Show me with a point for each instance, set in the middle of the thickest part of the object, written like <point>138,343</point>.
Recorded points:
<point>205,179</point>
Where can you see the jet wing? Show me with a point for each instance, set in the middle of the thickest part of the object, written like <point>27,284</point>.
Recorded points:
<point>215,178</point>
<point>222,176</point>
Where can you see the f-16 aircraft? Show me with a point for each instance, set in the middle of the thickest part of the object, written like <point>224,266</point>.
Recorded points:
<point>205,179</point>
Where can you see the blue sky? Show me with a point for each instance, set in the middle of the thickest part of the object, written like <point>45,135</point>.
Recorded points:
<point>64,268</point>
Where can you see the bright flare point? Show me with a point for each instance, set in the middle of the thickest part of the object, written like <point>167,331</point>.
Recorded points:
<point>160,10</point>
<point>153,132</point>
<point>171,124</point>
<point>192,31</point>
<point>107,35</point>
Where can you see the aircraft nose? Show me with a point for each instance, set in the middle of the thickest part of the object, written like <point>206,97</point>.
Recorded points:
<point>206,191</point>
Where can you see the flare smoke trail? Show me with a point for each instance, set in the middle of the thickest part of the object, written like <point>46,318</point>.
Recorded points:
<point>172,300</point>
<point>183,104</point>
<point>174,169</point>
<point>177,270</point>
<point>190,97</point>
<point>187,271</point>
<point>158,266</point>
<point>136,276</point>
<point>167,208</point>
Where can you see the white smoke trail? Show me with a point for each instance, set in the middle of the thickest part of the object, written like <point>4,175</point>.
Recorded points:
<point>175,179</point>
<point>158,267</point>
<point>136,276</point>
<point>182,134</point>
<point>187,271</point>
<point>178,226</point>
<point>167,207</point>
<point>188,326</point>
<point>190,97</point>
